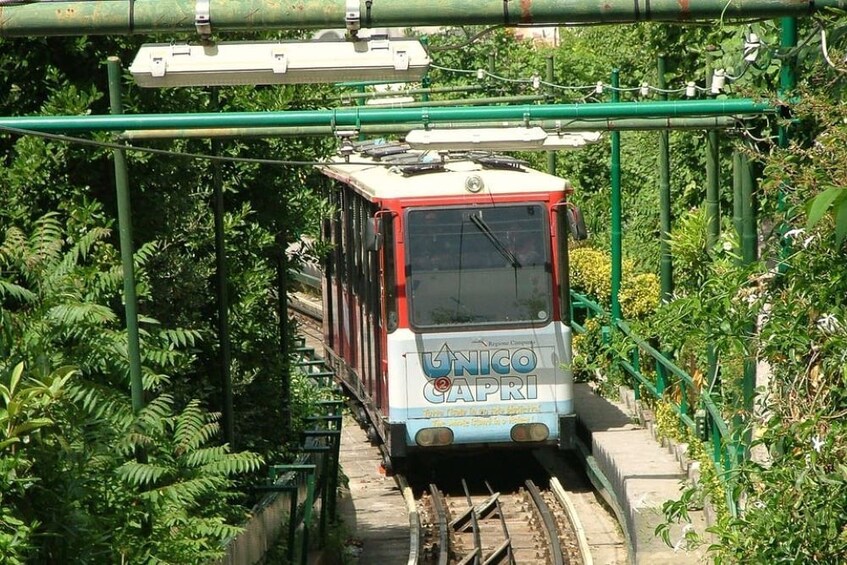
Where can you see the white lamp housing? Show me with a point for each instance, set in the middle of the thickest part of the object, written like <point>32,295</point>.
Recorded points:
<point>274,62</point>
<point>494,139</point>
<point>498,139</point>
<point>570,140</point>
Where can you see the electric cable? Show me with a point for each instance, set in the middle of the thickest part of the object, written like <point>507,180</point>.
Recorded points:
<point>170,153</point>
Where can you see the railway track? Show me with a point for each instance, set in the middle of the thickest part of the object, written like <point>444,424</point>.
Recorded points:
<point>528,526</point>
<point>474,523</point>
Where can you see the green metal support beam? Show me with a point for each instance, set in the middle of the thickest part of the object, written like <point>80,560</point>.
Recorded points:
<point>632,124</point>
<point>125,236</point>
<point>549,77</point>
<point>713,205</point>
<point>347,118</point>
<point>225,351</point>
<point>153,16</point>
<point>665,219</point>
<point>616,207</point>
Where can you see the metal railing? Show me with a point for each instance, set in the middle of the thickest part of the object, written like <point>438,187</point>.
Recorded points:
<point>702,416</point>
<point>298,491</point>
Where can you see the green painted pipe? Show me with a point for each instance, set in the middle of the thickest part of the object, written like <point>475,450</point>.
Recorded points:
<point>749,240</point>
<point>665,257</point>
<point>713,207</point>
<point>153,16</point>
<point>737,203</point>
<point>225,352</point>
<point>125,236</point>
<point>787,83</point>
<point>548,76</point>
<point>749,254</point>
<point>787,74</point>
<point>350,117</point>
<point>617,248</point>
<point>721,122</point>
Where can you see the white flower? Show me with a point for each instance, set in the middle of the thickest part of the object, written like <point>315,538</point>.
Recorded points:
<point>817,443</point>
<point>808,241</point>
<point>727,246</point>
<point>828,324</point>
<point>791,234</point>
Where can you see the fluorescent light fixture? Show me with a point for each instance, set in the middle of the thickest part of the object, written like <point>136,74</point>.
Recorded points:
<point>274,62</point>
<point>390,101</point>
<point>571,140</point>
<point>499,139</point>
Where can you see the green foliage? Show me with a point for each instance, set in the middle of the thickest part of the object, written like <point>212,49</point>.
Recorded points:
<point>26,406</point>
<point>591,272</point>
<point>185,485</point>
<point>69,494</point>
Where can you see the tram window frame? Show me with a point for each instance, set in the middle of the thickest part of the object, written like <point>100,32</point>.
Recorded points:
<point>563,251</point>
<point>494,258</point>
<point>390,273</point>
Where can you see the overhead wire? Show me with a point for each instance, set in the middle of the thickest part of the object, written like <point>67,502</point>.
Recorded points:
<point>168,152</point>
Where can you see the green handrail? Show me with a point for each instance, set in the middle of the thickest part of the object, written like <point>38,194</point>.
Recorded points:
<point>724,453</point>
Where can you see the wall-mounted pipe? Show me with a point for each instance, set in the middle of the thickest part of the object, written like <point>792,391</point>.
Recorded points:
<point>152,16</point>
<point>352,117</point>
<point>720,122</point>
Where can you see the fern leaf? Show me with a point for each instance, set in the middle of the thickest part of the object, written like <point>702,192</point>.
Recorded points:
<point>17,292</point>
<point>188,425</point>
<point>141,474</point>
<point>234,464</point>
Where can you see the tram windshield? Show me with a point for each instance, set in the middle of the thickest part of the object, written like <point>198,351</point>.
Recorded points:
<point>478,266</point>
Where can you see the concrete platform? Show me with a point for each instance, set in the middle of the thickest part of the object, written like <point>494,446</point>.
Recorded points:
<point>636,476</point>
<point>372,508</point>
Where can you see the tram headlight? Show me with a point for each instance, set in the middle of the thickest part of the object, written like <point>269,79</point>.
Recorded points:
<point>474,183</point>
<point>529,432</point>
<point>434,437</point>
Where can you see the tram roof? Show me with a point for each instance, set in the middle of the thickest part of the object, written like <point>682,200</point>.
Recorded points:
<point>413,174</point>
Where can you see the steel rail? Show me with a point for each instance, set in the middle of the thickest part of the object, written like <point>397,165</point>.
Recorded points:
<point>504,551</point>
<point>440,510</point>
<point>475,556</point>
<point>414,520</point>
<point>550,529</point>
<point>573,516</point>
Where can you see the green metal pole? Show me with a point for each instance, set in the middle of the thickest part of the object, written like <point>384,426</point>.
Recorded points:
<point>721,122</point>
<point>749,243</point>
<point>284,331</point>
<point>665,219</point>
<point>713,209</point>
<point>551,155</point>
<point>125,234</point>
<point>224,357</point>
<point>749,250</point>
<point>737,198</point>
<point>617,260</point>
<point>153,16</point>
<point>787,74</point>
<point>353,116</point>
<point>787,83</point>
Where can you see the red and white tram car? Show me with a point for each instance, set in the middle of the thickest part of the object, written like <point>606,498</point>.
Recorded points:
<point>446,298</point>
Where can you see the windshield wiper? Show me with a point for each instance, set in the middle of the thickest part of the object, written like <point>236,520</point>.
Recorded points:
<point>498,244</point>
